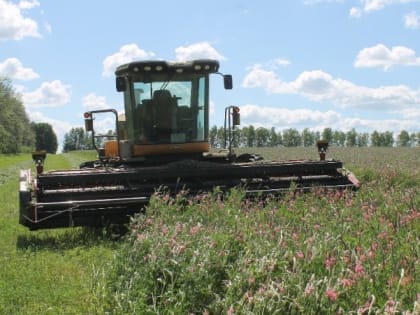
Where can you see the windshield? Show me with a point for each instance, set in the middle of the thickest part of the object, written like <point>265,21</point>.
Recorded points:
<point>169,109</point>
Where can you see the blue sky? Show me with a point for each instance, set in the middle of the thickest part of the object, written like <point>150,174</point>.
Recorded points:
<point>296,63</point>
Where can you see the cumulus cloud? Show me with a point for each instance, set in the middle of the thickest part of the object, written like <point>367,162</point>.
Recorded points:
<point>13,68</point>
<point>13,25</point>
<point>49,94</point>
<point>380,56</point>
<point>283,118</point>
<point>320,86</point>
<point>28,4</point>
<point>197,51</point>
<point>376,5</point>
<point>410,113</point>
<point>412,20</point>
<point>127,53</point>
<point>95,102</point>
<point>355,12</point>
<point>271,116</point>
<point>368,6</point>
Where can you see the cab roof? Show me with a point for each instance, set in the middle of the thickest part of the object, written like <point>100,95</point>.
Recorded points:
<point>160,66</point>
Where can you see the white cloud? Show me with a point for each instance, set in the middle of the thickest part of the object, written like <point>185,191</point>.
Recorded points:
<point>95,102</point>
<point>355,12</point>
<point>375,5</point>
<point>281,62</point>
<point>412,20</point>
<point>13,25</point>
<point>49,94</point>
<point>380,56</point>
<point>283,118</point>
<point>197,51</point>
<point>28,4</point>
<point>320,86</point>
<point>410,113</point>
<point>368,6</point>
<point>271,116</point>
<point>13,69</point>
<point>127,53</point>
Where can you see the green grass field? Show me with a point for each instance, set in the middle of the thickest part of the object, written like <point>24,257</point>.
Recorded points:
<point>46,272</point>
<point>308,254</point>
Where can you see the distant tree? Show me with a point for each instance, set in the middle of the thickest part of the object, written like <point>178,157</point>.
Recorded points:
<point>291,138</point>
<point>273,137</point>
<point>339,138</point>
<point>45,137</point>
<point>15,131</point>
<point>236,137</point>
<point>77,139</point>
<point>403,139</point>
<point>261,136</point>
<point>351,138</point>
<point>308,138</point>
<point>214,141</point>
<point>362,139</point>
<point>375,139</point>
<point>327,134</point>
<point>382,139</point>
<point>222,136</point>
<point>248,135</point>
<point>418,139</point>
<point>387,139</point>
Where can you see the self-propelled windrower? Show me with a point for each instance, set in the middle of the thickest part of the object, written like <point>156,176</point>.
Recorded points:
<point>162,141</point>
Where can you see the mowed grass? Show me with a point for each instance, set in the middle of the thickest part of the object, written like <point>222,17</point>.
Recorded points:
<point>304,254</point>
<point>46,272</point>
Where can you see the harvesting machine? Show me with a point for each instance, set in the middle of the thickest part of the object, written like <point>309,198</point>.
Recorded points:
<point>162,140</point>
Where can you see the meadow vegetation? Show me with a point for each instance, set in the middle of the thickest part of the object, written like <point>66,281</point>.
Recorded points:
<point>316,253</point>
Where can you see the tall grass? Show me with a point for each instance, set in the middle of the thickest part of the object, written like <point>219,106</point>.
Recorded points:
<point>317,253</point>
<point>349,253</point>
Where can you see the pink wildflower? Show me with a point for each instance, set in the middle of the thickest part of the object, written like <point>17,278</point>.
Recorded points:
<point>390,307</point>
<point>231,311</point>
<point>331,294</point>
<point>300,255</point>
<point>359,269</point>
<point>141,236</point>
<point>346,282</point>
<point>195,229</point>
<point>329,262</point>
<point>164,230</point>
<point>309,290</point>
<point>248,296</point>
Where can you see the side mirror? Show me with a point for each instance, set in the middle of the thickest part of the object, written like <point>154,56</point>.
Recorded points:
<point>120,84</point>
<point>228,82</point>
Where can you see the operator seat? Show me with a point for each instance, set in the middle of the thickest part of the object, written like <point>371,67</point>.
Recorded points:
<point>165,108</point>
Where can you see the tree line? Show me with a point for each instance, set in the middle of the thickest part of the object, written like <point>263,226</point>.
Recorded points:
<point>250,136</point>
<point>17,133</point>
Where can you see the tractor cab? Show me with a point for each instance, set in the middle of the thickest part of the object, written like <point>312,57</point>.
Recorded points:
<point>166,108</point>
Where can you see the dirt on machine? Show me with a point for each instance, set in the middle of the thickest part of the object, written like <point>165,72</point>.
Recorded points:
<point>161,142</point>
